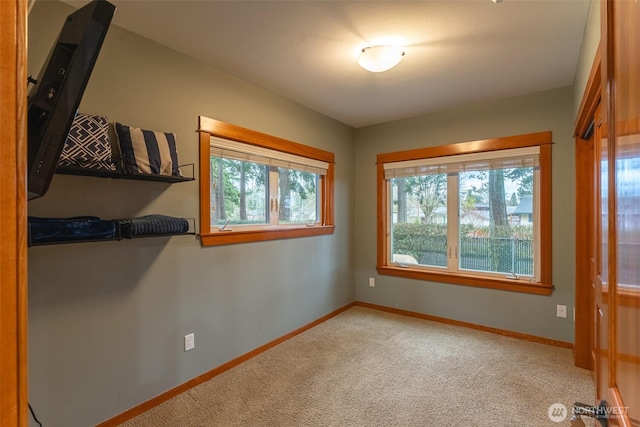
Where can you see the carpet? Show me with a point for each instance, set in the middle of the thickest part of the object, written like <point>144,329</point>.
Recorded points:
<point>366,367</point>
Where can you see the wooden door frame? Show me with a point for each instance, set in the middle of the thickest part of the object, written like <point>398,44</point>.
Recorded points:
<point>585,213</point>
<point>13,214</point>
<point>610,91</point>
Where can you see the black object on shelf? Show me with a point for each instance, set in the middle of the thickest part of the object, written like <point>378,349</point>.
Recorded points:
<point>120,174</point>
<point>54,99</point>
<point>153,225</point>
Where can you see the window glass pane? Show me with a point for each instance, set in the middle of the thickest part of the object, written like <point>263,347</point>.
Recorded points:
<point>298,202</point>
<point>238,192</point>
<point>496,221</point>
<point>419,220</point>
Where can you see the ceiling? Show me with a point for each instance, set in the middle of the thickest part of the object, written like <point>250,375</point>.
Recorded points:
<point>456,52</point>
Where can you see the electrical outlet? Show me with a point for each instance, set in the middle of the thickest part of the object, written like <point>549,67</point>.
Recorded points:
<point>189,342</point>
<point>372,282</point>
<point>561,310</point>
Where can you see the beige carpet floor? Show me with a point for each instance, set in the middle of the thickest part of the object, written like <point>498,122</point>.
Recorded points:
<point>370,368</point>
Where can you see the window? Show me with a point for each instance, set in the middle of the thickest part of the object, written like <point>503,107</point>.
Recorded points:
<point>475,213</point>
<point>258,187</point>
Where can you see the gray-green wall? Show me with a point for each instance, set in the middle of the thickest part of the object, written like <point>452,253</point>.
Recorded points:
<point>107,320</point>
<point>590,42</point>
<point>529,314</point>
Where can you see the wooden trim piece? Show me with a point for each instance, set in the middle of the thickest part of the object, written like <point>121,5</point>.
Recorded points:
<point>584,197</point>
<point>612,224</point>
<point>230,237</point>
<point>143,407</point>
<point>588,114</point>
<point>590,99</point>
<point>205,184</point>
<point>248,136</point>
<point>460,279</point>
<point>546,231</point>
<point>382,223</point>
<point>621,418</point>
<point>328,187</point>
<point>498,331</point>
<point>13,215</point>
<point>627,296</point>
<point>480,146</point>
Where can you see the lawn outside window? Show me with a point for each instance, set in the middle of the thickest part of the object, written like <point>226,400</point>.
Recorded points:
<point>257,187</point>
<point>475,213</point>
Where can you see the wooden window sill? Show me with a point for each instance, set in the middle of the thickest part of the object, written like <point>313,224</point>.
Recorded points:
<point>260,235</point>
<point>467,280</point>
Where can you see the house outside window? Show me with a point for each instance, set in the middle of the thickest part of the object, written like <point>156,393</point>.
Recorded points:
<point>475,213</point>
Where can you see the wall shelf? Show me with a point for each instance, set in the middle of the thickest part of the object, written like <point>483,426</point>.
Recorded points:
<point>120,174</point>
<point>83,229</point>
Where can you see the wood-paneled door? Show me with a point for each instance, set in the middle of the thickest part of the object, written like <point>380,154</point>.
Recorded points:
<point>617,296</point>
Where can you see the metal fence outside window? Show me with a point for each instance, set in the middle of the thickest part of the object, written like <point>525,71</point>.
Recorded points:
<point>502,255</point>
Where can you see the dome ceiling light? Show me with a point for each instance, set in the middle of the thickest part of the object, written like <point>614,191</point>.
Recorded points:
<point>380,58</point>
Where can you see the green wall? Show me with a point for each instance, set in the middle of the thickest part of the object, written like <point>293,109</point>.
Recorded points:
<point>107,320</point>
<point>529,314</point>
<point>590,42</point>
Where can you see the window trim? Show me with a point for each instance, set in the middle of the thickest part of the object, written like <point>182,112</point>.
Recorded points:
<point>384,267</point>
<point>210,127</point>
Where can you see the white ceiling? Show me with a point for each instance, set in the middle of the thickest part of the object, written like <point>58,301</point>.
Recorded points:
<point>457,52</point>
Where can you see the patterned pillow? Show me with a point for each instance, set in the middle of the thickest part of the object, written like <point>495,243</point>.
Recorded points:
<point>146,151</point>
<point>87,145</point>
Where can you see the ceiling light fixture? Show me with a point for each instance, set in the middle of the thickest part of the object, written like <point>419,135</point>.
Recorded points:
<point>380,58</point>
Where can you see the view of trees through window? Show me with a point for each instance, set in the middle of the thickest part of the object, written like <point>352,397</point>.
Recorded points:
<point>297,196</point>
<point>241,193</point>
<point>493,220</point>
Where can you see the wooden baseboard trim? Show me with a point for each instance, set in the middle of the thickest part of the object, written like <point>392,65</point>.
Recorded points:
<point>504,332</point>
<point>145,406</point>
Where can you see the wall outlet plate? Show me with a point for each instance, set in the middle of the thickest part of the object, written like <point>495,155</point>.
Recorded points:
<point>189,342</point>
<point>561,311</point>
<point>372,282</point>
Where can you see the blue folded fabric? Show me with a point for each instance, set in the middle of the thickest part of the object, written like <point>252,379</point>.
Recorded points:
<point>75,229</point>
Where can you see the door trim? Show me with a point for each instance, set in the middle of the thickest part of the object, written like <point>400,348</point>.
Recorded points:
<point>13,215</point>
<point>584,158</point>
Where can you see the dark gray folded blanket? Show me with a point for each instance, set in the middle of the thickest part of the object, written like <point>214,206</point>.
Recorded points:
<point>151,225</point>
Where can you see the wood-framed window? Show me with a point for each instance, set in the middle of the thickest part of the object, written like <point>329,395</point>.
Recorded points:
<point>256,187</point>
<point>475,213</point>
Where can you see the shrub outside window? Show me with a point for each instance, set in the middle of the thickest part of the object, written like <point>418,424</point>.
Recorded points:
<point>475,213</point>
<point>258,187</point>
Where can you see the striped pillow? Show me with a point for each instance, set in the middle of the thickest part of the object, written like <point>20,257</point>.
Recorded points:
<point>146,151</point>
